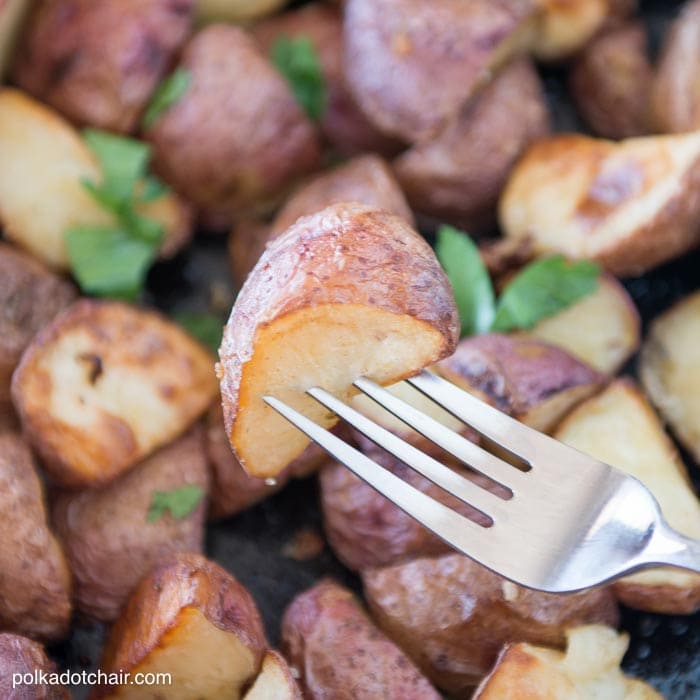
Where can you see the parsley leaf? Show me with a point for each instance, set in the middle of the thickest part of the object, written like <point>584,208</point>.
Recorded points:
<point>180,502</point>
<point>542,289</point>
<point>297,60</point>
<point>170,90</point>
<point>205,327</point>
<point>469,278</point>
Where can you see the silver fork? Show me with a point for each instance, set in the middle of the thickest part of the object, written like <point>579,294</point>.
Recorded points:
<point>571,522</point>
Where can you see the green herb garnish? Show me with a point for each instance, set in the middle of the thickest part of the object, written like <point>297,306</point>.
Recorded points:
<point>180,502</point>
<point>205,327</point>
<point>170,90</point>
<point>297,60</point>
<point>542,289</point>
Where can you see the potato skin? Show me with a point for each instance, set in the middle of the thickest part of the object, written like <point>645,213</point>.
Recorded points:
<point>457,176</point>
<point>331,641</point>
<point>22,655</point>
<point>39,605</point>
<point>610,83</point>
<point>452,615</point>
<point>108,540</point>
<point>107,344</point>
<point>30,297</point>
<point>394,50</point>
<point>227,172</point>
<point>99,62</point>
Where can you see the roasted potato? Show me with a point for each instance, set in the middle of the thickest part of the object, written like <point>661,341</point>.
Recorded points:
<point>192,619</point>
<point>99,62</point>
<point>8,419</point>
<point>395,49</point>
<point>610,83</point>
<point>228,172</point>
<point>602,329</point>
<point>343,124</point>
<point>676,88</point>
<point>590,668</point>
<point>532,381</point>
<point>44,161</point>
<point>620,428</point>
<point>35,583</point>
<point>339,653</point>
<point>19,655</point>
<point>104,385</point>
<point>365,179</point>
<point>107,536</point>
<point>350,291</point>
<point>30,296</point>
<point>13,14</point>
<point>458,175</point>
<point>670,370</point>
<point>235,10</point>
<point>629,205</point>
<point>452,615</point>
<point>275,681</point>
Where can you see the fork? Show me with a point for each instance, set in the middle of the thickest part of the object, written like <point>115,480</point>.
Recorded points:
<point>569,522</point>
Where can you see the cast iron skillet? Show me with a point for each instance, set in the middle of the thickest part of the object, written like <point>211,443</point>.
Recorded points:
<point>664,650</point>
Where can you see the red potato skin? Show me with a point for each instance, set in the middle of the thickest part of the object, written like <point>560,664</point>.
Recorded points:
<point>340,654</point>
<point>229,172</point>
<point>99,62</point>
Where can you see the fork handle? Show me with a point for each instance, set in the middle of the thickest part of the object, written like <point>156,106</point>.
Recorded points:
<point>670,547</point>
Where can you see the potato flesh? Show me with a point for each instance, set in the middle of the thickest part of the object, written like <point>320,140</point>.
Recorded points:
<point>12,12</point>
<point>205,663</point>
<point>274,682</point>
<point>327,346</point>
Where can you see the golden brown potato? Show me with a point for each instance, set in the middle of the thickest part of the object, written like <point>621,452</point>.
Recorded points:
<point>532,381</point>
<point>99,62</point>
<point>35,584</point>
<point>350,291</point>
<point>670,370</point>
<point>343,124</point>
<point>228,172</point>
<point>590,668</point>
<point>620,428</point>
<point>13,15</point>
<point>676,87</point>
<point>340,654</point>
<point>275,681</point>
<point>44,161</point>
<point>23,656</point>
<point>452,615</point>
<point>192,619</point>
<point>109,541</point>
<point>629,206</point>
<point>458,176</point>
<point>395,50</point>
<point>235,10</point>
<point>104,385</point>
<point>365,179</point>
<point>30,296</point>
<point>503,257</point>
<point>610,83</point>
<point>602,329</point>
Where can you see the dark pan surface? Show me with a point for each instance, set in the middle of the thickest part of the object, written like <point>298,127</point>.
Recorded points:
<point>664,650</point>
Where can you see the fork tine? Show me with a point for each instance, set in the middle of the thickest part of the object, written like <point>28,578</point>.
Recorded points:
<point>466,451</point>
<point>467,491</point>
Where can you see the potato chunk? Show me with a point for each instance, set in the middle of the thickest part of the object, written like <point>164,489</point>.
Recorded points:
<point>275,681</point>
<point>620,428</point>
<point>36,605</point>
<point>43,163</point>
<point>670,369</point>
<point>333,644</point>
<point>588,670</point>
<point>13,14</point>
<point>452,615</point>
<point>351,291</point>
<point>104,385</point>
<point>235,10</point>
<point>630,205</point>
<point>108,538</point>
<point>192,619</point>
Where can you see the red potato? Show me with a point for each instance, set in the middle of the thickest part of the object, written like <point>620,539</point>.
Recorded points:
<point>340,654</point>
<point>230,172</point>
<point>98,63</point>
<point>458,176</point>
<point>395,49</point>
